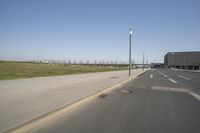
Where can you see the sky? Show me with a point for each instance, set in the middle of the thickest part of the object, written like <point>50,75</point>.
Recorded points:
<point>97,29</point>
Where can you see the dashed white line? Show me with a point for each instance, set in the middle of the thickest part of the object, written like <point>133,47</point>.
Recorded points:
<point>184,77</point>
<point>165,76</point>
<point>195,95</point>
<point>151,76</point>
<point>162,74</point>
<point>173,81</point>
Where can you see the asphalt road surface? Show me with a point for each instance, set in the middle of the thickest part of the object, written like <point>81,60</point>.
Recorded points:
<point>159,101</point>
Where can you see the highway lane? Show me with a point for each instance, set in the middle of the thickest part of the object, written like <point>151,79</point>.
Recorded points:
<point>187,79</point>
<point>150,103</point>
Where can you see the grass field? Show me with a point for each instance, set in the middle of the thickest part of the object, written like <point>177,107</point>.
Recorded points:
<point>14,70</point>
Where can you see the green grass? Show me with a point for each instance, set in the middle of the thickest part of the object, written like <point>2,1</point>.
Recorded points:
<point>15,70</point>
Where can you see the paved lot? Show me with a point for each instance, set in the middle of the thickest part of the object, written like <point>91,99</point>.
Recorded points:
<point>22,100</point>
<point>159,101</point>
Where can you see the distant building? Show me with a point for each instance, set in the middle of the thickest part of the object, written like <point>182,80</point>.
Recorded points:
<point>183,60</point>
<point>157,65</point>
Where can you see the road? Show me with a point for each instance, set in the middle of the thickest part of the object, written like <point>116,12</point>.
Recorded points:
<point>159,101</point>
<point>23,100</point>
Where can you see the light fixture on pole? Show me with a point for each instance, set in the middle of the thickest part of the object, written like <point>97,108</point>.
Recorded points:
<point>130,33</point>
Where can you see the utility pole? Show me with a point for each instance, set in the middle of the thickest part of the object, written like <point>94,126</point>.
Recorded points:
<point>143,60</point>
<point>130,33</point>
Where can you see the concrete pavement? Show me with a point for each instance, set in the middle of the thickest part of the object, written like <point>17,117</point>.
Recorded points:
<point>22,100</point>
<point>151,103</point>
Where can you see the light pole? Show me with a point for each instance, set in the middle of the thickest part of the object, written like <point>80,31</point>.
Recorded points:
<point>130,33</point>
<point>143,60</point>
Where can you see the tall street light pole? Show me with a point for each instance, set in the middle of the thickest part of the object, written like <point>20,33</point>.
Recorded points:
<point>130,33</point>
<point>143,60</point>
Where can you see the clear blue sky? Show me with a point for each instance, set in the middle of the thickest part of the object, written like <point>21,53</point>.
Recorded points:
<point>97,30</point>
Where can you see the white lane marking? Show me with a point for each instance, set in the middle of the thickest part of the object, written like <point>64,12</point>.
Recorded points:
<point>125,91</point>
<point>188,91</point>
<point>151,76</point>
<point>162,74</point>
<point>173,81</point>
<point>162,88</point>
<point>184,77</point>
<point>195,95</point>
